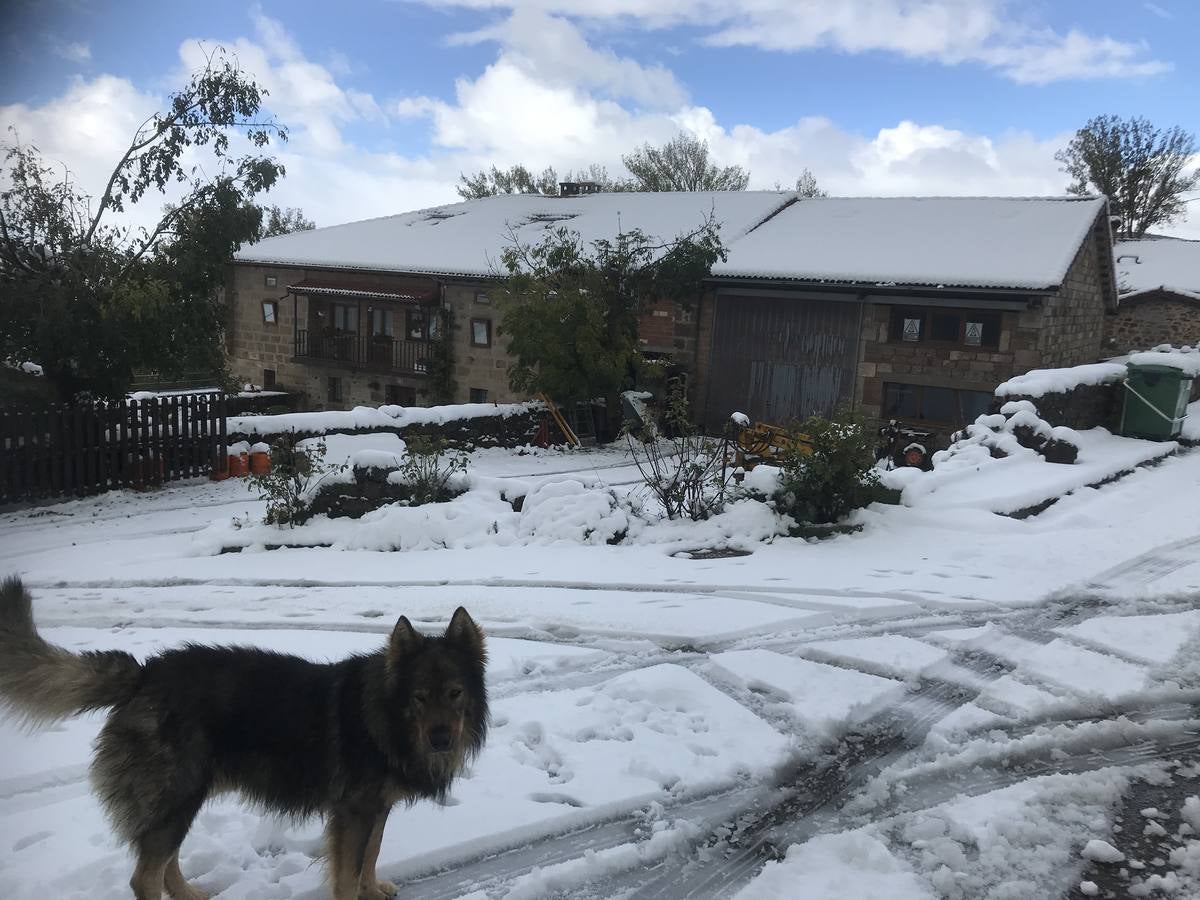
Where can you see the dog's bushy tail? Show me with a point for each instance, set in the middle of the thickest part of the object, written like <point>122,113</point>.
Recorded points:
<point>43,683</point>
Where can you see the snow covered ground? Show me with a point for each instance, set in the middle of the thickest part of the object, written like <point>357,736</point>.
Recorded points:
<point>950,703</point>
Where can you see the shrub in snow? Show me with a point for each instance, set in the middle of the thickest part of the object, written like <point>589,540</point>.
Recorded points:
<point>428,469</point>
<point>686,473</point>
<point>572,511</point>
<point>297,467</point>
<point>837,476</point>
<point>1016,429</point>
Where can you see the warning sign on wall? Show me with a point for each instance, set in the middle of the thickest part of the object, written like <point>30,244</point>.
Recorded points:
<point>912,329</point>
<point>974,334</point>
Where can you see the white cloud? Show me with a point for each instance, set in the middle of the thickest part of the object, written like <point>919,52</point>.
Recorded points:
<point>993,33</point>
<point>73,51</point>
<point>523,108</point>
<point>553,50</point>
<point>87,129</point>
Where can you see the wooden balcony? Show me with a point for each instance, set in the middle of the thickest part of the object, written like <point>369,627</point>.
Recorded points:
<point>357,351</point>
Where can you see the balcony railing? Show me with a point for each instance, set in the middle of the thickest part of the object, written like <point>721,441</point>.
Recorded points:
<point>366,351</point>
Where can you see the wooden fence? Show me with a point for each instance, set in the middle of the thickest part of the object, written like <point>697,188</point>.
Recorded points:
<point>85,449</point>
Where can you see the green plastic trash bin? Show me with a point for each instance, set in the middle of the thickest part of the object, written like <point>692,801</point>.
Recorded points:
<point>1156,400</point>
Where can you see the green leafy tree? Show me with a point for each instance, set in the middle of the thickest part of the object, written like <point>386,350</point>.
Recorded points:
<point>520,180</point>
<point>684,163</point>
<point>277,221</point>
<point>1142,169</point>
<point>298,467</point>
<point>93,300</point>
<point>807,186</point>
<point>514,180</point>
<point>428,468</point>
<point>832,470</point>
<point>572,309</point>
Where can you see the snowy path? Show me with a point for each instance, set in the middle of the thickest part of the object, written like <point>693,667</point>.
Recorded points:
<point>664,726</point>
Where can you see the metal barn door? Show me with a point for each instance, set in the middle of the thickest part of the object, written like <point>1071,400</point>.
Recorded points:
<point>781,360</point>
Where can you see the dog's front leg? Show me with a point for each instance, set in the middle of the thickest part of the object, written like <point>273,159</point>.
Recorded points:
<point>370,887</point>
<point>347,835</point>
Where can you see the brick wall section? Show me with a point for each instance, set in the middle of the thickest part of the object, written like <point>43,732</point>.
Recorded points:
<point>656,329</point>
<point>1072,331</point>
<point>1150,319</point>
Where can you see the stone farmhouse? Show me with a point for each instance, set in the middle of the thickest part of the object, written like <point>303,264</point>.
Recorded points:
<point>1159,283</point>
<point>912,308</point>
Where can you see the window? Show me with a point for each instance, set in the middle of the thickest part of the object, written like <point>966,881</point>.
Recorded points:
<point>482,297</point>
<point>950,406</point>
<point>479,395</point>
<point>416,324</point>
<point>268,379</point>
<point>270,310</point>
<point>901,401</point>
<point>481,332</point>
<point>345,317</point>
<point>270,281</point>
<point>334,389</point>
<point>381,322</point>
<point>944,326</point>
<point>969,327</point>
<point>400,395</point>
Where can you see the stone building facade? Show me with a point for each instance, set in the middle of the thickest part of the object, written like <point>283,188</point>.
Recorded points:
<point>925,356</point>
<point>1053,330</point>
<point>341,339</point>
<point>820,302</point>
<point>1151,318</point>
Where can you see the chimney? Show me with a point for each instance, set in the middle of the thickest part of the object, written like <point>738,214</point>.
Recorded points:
<point>577,188</point>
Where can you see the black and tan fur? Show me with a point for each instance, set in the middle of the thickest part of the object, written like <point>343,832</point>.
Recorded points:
<point>344,740</point>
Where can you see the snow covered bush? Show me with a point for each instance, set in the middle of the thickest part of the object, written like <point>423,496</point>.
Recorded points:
<point>297,467</point>
<point>428,469</point>
<point>1018,428</point>
<point>686,472</point>
<point>837,476</point>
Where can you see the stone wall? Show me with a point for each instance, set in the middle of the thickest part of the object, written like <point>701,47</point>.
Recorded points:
<point>480,431</point>
<point>937,365</point>
<point>476,367</point>
<point>1072,329</point>
<point>254,345</point>
<point>1153,318</point>
<point>1088,406</point>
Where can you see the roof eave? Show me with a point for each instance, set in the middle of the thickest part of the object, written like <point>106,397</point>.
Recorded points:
<point>874,287</point>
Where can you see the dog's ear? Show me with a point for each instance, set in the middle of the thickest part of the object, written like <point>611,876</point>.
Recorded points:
<point>463,631</point>
<point>404,640</point>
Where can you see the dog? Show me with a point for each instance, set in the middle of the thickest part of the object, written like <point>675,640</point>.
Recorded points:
<point>345,740</point>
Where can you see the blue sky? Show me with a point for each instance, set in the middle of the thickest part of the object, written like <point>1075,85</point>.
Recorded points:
<point>389,101</point>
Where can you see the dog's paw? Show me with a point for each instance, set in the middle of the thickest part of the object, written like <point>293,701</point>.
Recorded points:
<point>381,890</point>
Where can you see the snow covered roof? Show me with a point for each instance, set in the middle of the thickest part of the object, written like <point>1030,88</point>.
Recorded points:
<point>998,242</point>
<point>1152,264</point>
<point>467,238</point>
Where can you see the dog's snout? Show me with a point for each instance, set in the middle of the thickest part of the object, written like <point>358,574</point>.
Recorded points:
<point>439,738</point>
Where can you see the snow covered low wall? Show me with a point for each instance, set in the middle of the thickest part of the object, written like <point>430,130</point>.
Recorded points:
<point>1090,396</point>
<point>1078,397</point>
<point>462,424</point>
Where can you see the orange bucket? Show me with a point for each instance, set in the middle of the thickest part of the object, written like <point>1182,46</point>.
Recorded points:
<point>260,463</point>
<point>239,464</point>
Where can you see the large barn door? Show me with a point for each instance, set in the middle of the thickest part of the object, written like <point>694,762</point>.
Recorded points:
<point>781,360</point>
